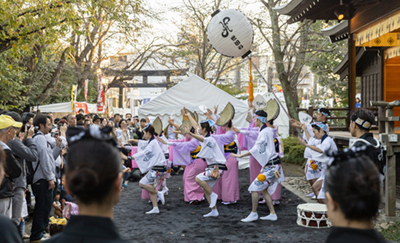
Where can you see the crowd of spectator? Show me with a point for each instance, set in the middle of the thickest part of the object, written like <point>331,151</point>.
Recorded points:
<point>35,153</point>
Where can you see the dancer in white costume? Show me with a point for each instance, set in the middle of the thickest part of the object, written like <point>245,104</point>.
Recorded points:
<point>213,154</point>
<point>265,154</point>
<point>317,153</point>
<point>151,160</point>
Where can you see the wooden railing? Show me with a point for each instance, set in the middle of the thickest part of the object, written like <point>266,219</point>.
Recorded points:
<point>336,122</point>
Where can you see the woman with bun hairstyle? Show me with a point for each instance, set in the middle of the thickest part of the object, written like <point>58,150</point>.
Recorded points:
<point>93,175</point>
<point>352,186</point>
<point>151,159</point>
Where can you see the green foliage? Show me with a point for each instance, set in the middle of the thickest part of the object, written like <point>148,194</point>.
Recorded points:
<point>294,152</point>
<point>392,233</point>
<point>323,56</point>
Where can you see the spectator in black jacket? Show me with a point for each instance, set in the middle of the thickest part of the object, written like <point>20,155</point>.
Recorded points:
<point>8,232</point>
<point>8,130</point>
<point>140,132</point>
<point>24,150</point>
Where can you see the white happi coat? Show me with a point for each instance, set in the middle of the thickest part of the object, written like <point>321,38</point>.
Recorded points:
<point>264,148</point>
<point>211,151</point>
<point>149,155</point>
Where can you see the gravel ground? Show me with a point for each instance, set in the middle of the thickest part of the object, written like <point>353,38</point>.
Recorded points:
<point>179,221</point>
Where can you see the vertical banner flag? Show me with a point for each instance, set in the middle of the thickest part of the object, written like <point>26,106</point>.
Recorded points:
<point>100,106</point>
<point>73,95</point>
<point>86,89</point>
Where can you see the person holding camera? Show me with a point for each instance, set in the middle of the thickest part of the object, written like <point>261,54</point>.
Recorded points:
<point>8,130</point>
<point>25,150</point>
<point>43,182</point>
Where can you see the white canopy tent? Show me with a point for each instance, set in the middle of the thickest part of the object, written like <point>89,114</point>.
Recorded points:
<point>191,93</point>
<point>64,107</point>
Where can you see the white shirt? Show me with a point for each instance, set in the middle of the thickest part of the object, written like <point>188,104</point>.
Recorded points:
<point>211,151</point>
<point>264,148</point>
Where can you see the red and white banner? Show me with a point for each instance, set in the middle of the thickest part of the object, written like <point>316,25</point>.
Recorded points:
<point>86,89</point>
<point>81,105</point>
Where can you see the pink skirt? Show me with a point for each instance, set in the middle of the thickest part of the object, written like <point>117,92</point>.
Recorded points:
<point>227,187</point>
<point>191,189</point>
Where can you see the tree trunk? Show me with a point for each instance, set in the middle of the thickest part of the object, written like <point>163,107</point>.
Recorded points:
<point>54,79</point>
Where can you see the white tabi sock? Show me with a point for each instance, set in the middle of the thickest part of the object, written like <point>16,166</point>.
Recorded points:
<point>154,210</point>
<point>213,199</point>
<point>252,217</point>
<point>272,217</point>
<point>213,213</point>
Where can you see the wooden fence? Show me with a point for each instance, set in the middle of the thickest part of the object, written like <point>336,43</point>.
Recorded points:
<point>333,120</point>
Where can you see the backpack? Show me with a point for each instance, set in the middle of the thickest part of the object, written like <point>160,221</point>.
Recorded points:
<point>377,155</point>
<point>30,169</point>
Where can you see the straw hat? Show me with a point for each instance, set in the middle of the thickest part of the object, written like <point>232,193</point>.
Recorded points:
<point>249,118</point>
<point>272,109</point>
<point>183,129</point>
<point>185,120</point>
<point>157,124</point>
<point>226,115</point>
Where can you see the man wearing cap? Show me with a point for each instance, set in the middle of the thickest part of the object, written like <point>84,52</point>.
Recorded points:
<point>97,120</point>
<point>316,149</point>
<point>44,178</point>
<point>25,150</point>
<point>8,130</point>
<point>361,121</point>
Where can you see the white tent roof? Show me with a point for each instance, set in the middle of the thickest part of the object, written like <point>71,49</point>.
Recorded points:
<point>191,93</point>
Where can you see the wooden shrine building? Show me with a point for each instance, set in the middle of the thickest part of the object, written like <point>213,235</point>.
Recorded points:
<point>372,29</point>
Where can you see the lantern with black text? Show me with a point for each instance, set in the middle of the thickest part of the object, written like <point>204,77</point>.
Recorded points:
<point>230,33</point>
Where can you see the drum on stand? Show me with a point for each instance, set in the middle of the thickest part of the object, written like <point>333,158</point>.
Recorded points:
<point>312,215</point>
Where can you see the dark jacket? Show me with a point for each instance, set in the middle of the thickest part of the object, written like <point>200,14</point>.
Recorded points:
<point>9,232</point>
<point>13,170</point>
<point>87,229</point>
<point>26,151</point>
<point>343,235</point>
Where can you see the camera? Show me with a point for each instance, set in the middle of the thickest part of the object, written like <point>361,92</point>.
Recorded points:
<point>29,127</point>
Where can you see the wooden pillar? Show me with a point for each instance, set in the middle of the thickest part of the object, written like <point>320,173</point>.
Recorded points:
<point>121,96</point>
<point>145,79</point>
<point>352,72</point>
<point>352,66</point>
<point>390,176</point>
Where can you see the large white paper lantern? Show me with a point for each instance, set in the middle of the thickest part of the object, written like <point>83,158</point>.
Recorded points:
<point>230,33</point>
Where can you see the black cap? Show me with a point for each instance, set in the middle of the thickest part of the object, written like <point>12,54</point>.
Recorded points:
<point>14,115</point>
<point>96,117</point>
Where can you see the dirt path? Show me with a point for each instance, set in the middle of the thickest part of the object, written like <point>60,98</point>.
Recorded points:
<point>181,222</point>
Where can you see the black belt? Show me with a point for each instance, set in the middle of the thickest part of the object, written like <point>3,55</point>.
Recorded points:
<point>276,161</point>
<point>220,166</point>
<point>159,168</point>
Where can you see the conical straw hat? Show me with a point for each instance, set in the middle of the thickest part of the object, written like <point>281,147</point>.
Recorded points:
<point>157,124</point>
<point>272,109</point>
<point>226,115</point>
<point>185,120</point>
